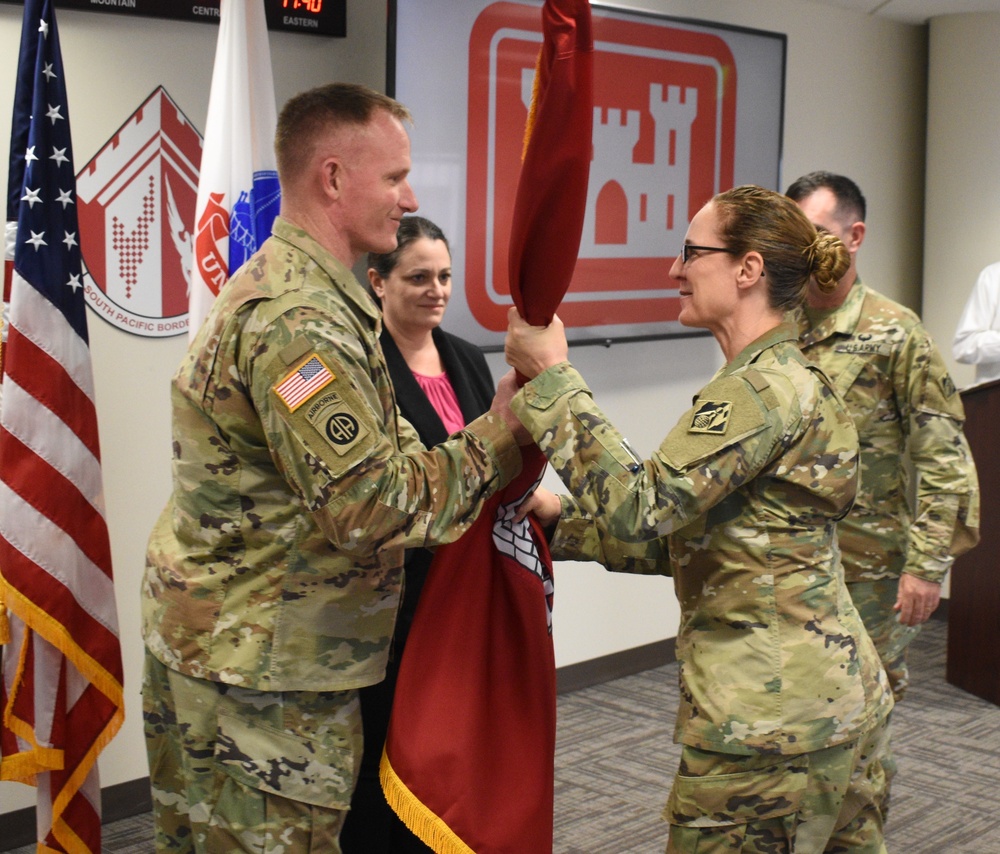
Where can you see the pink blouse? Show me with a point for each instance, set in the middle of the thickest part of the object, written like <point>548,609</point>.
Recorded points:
<point>442,396</point>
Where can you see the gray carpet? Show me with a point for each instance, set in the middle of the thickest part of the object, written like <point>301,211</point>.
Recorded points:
<point>615,760</point>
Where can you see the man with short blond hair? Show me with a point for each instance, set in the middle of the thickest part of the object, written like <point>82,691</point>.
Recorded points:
<point>273,576</point>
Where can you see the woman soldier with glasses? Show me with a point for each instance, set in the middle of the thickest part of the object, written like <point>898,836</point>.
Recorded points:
<point>783,700</point>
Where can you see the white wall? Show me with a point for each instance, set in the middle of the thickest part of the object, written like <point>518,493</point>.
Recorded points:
<point>962,225</point>
<point>855,102</point>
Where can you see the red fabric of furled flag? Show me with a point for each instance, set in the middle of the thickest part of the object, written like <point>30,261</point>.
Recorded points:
<point>468,762</point>
<point>61,691</point>
<point>552,189</point>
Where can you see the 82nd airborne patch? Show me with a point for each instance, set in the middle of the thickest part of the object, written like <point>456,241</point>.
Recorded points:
<point>711,417</point>
<point>336,423</point>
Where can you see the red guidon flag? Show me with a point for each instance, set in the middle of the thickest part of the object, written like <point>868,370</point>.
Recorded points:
<point>469,759</point>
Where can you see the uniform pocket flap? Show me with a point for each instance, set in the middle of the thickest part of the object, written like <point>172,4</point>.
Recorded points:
<point>729,799</point>
<point>281,763</point>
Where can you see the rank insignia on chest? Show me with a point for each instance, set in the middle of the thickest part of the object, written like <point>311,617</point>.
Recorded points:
<point>302,383</point>
<point>712,416</point>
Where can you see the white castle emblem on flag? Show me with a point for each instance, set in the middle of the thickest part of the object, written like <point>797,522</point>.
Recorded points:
<point>514,540</point>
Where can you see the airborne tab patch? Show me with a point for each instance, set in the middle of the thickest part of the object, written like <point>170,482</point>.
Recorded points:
<point>711,417</point>
<point>335,421</point>
<point>302,383</point>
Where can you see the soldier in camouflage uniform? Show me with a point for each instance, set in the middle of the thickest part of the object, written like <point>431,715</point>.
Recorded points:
<point>783,700</point>
<point>897,388</point>
<point>273,575</point>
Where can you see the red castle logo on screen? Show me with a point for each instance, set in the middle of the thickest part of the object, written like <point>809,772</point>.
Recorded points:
<point>137,202</point>
<point>663,144</point>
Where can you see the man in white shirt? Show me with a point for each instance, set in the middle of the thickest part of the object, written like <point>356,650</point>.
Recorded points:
<point>977,339</point>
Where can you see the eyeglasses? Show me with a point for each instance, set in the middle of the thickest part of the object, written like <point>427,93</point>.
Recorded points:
<point>688,248</point>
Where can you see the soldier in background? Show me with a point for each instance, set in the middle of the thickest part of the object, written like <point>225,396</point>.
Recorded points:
<point>898,390</point>
<point>273,575</point>
<point>783,700</point>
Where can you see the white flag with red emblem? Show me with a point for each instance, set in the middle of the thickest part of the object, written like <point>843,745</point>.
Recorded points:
<point>238,192</point>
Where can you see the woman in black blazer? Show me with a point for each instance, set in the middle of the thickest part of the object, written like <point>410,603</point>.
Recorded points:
<point>441,382</point>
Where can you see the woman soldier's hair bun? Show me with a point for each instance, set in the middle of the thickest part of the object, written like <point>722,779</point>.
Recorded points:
<point>828,260</point>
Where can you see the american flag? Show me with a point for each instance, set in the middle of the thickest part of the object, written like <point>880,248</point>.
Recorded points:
<point>304,382</point>
<point>61,692</point>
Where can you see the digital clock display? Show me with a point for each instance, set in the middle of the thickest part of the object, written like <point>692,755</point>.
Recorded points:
<point>313,6</point>
<point>305,13</point>
<point>318,17</point>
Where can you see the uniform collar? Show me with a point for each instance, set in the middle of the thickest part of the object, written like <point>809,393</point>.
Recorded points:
<point>342,276</point>
<point>784,331</point>
<point>842,321</point>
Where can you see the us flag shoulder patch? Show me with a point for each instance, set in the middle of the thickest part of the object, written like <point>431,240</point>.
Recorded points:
<point>302,383</point>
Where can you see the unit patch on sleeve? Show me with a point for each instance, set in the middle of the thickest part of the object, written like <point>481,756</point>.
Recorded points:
<point>947,386</point>
<point>711,417</point>
<point>335,422</point>
<point>302,383</point>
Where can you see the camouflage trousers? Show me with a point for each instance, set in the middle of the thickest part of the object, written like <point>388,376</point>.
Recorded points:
<point>238,770</point>
<point>824,801</point>
<point>874,601</point>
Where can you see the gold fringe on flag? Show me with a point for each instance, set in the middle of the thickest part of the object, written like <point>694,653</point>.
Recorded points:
<point>40,759</point>
<point>428,826</point>
<point>25,766</point>
<point>4,620</point>
<point>536,85</point>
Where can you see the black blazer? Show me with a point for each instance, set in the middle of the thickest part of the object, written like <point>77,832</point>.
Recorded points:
<point>470,377</point>
<point>467,370</point>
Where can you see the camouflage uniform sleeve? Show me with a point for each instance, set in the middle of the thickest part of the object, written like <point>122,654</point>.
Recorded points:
<point>946,518</point>
<point>724,441</point>
<point>409,439</point>
<point>357,466</point>
<point>577,537</point>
